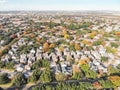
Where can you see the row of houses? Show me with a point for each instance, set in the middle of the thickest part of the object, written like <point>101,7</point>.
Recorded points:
<point>24,61</point>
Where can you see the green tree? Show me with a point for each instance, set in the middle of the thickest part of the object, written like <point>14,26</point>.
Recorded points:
<point>60,76</point>
<point>106,84</point>
<point>49,88</point>
<point>116,45</point>
<point>71,48</point>
<point>98,42</point>
<point>77,76</point>
<point>104,59</point>
<point>46,76</point>
<point>19,79</point>
<point>36,75</point>
<point>4,78</point>
<point>118,67</point>
<point>9,65</point>
<point>112,70</point>
<point>45,63</point>
<point>91,74</point>
<point>36,88</point>
<point>73,26</point>
<point>51,24</point>
<point>2,64</point>
<point>60,86</point>
<point>86,85</point>
<point>37,64</point>
<point>88,72</point>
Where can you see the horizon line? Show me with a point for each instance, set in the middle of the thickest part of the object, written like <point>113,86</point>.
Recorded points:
<point>59,10</point>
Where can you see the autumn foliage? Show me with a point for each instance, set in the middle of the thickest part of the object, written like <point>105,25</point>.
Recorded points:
<point>61,48</point>
<point>38,39</point>
<point>86,42</point>
<point>52,46</point>
<point>32,35</point>
<point>65,34</point>
<point>117,33</point>
<point>45,47</point>
<point>97,85</point>
<point>77,46</point>
<point>115,80</point>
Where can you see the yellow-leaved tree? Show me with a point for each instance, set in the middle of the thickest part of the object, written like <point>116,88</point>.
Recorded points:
<point>45,47</point>
<point>77,46</point>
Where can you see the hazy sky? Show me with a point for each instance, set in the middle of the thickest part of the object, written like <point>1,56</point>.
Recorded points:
<point>60,5</point>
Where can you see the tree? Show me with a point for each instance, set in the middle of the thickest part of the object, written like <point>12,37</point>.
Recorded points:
<point>112,70</point>
<point>111,50</point>
<point>85,86</point>
<point>51,24</point>
<point>118,67</point>
<point>115,45</point>
<point>86,42</point>
<point>45,47</point>
<point>52,45</point>
<point>71,48</point>
<point>9,65</point>
<point>49,88</point>
<point>4,78</point>
<point>88,72</point>
<point>60,76</point>
<point>117,33</point>
<point>35,88</point>
<point>19,79</point>
<point>61,86</point>
<point>46,76</point>
<point>38,39</point>
<point>31,35</point>
<point>1,53</point>
<point>85,67</point>
<point>106,84</point>
<point>61,48</point>
<point>98,42</point>
<point>37,64</point>
<point>115,80</point>
<point>73,26</point>
<point>2,64</point>
<point>36,75</point>
<point>104,59</point>
<point>77,75</point>
<point>97,85</point>
<point>91,74</point>
<point>45,64</point>
<point>77,46</point>
<point>66,36</point>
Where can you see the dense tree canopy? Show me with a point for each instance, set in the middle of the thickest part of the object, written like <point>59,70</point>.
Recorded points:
<point>19,79</point>
<point>4,78</point>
